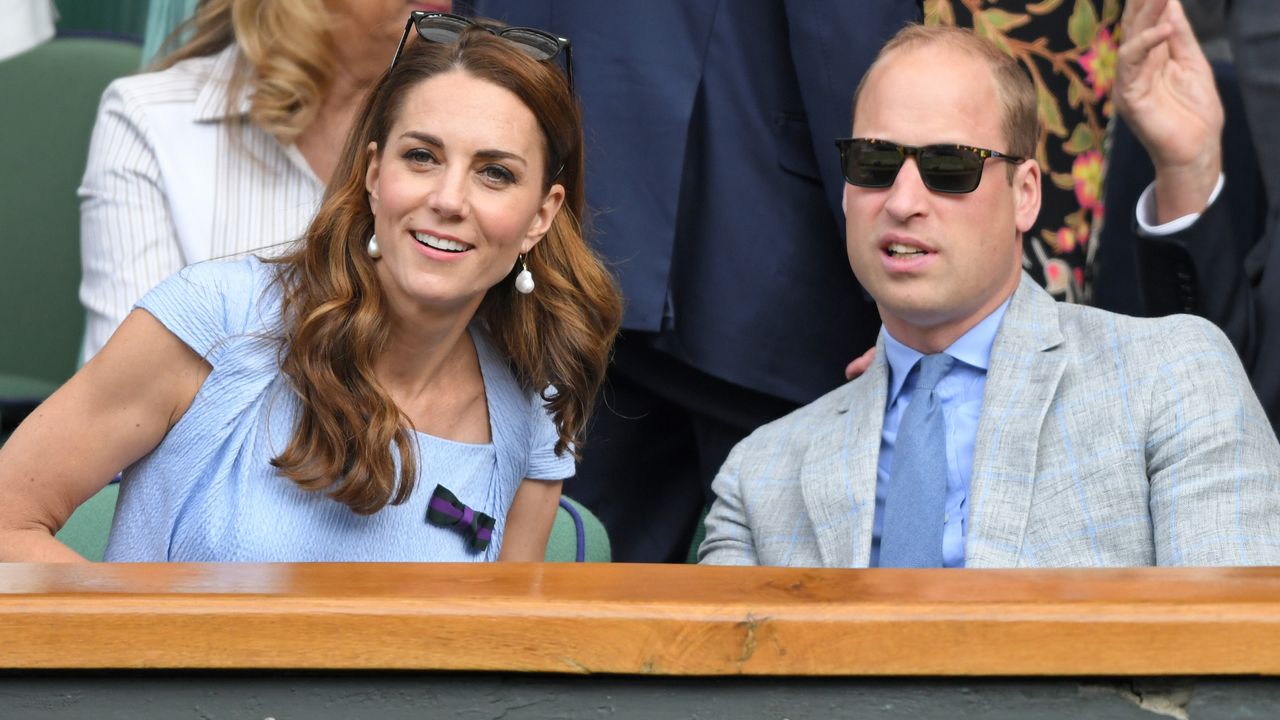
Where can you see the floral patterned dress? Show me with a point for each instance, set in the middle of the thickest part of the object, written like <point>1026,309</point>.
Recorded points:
<point>1069,49</point>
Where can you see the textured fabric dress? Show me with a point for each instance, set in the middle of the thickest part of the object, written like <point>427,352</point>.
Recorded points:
<point>209,493</point>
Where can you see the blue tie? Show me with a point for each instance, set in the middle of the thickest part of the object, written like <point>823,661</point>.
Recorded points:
<point>917,494</point>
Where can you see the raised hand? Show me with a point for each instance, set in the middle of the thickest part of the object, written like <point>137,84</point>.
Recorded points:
<point>1165,92</point>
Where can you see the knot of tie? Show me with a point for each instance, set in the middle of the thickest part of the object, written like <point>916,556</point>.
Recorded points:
<point>445,510</point>
<point>932,368</point>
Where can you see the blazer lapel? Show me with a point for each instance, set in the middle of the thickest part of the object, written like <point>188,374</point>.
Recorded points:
<point>838,477</point>
<point>1022,380</point>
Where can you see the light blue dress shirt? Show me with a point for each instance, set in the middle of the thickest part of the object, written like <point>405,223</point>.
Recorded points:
<point>960,392</point>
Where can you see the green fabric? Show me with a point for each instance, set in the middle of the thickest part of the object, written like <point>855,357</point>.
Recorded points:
<point>562,546</point>
<point>163,17</point>
<point>114,17</point>
<point>52,95</point>
<point>86,529</point>
<point>699,534</point>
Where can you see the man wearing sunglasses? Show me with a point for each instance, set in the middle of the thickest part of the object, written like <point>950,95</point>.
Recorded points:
<point>995,427</point>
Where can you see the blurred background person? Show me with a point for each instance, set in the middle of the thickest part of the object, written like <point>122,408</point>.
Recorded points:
<point>226,148</point>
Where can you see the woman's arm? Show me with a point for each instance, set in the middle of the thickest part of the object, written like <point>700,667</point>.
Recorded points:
<point>115,410</point>
<point>529,521</point>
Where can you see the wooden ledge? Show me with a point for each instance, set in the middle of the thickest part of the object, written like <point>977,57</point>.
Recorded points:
<point>642,619</point>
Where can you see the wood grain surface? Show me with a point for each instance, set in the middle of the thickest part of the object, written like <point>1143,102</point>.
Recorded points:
<point>642,619</point>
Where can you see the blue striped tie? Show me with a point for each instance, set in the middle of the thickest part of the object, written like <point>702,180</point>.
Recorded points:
<point>916,498</point>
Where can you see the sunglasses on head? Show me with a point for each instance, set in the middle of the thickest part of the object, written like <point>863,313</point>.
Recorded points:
<point>943,168</point>
<point>446,28</point>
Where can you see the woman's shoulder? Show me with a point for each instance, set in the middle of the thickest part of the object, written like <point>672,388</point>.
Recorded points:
<point>183,83</point>
<point>207,302</point>
<point>230,277</point>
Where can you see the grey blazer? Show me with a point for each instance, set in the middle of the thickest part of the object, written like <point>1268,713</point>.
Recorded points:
<point>1104,440</point>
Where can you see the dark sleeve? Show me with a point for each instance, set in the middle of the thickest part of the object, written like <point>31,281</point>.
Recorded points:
<point>833,42</point>
<point>1195,271</point>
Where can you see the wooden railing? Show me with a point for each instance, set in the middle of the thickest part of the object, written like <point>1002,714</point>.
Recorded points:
<point>642,619</point>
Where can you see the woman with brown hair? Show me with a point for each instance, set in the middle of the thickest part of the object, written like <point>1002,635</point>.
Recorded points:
<point>442,324</point>
<point>226,147</point>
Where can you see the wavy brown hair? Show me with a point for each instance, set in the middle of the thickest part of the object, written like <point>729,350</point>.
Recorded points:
<point>557,339</point>
<point>287,54</point>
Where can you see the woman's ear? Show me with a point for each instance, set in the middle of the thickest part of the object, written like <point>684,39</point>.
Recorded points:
<point>542,220</point>
<point>371,176</point>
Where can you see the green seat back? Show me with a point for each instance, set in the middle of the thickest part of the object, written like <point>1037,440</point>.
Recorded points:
<point>86,530</point>
<point>699,534</point>
<point>120,18</point>
<point>51,97</point>
<point>562,546</point>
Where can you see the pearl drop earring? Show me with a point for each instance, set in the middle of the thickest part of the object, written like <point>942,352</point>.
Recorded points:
<point>524,280</point>
<point>375,252</point>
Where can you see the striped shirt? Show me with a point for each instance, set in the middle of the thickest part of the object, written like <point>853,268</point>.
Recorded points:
<point>174,178</point>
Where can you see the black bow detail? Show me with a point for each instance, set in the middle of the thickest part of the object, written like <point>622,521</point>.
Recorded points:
<point>446,510</point>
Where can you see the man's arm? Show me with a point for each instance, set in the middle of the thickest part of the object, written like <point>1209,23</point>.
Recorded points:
<point>729,540</point>
<point>1212,457</point>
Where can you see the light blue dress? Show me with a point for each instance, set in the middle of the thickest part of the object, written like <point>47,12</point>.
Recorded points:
<point>209,493</point>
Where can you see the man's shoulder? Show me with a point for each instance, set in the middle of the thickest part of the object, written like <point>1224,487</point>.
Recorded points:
<point>1092,328</point>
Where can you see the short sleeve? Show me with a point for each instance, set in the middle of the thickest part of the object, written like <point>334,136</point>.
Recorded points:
<point>544,464</point>
<point>208,302</point>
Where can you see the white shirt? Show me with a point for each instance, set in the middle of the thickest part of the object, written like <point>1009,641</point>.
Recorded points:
<point>173,179</point>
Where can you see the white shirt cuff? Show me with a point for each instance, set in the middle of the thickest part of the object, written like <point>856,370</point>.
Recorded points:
<point>1146,212</point>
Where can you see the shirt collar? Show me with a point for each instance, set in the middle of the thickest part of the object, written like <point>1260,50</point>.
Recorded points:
<point>972,348</point>
<point>211,104</point>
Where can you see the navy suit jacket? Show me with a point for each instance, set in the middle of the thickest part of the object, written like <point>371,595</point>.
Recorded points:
<point>712,179</point>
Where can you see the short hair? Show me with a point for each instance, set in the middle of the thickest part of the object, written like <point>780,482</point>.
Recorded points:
<point>1020,121</point>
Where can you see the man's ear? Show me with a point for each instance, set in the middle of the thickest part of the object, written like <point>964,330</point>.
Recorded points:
<point>542,219</point>
<point>371,176</point>
<point>1026,195</point>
